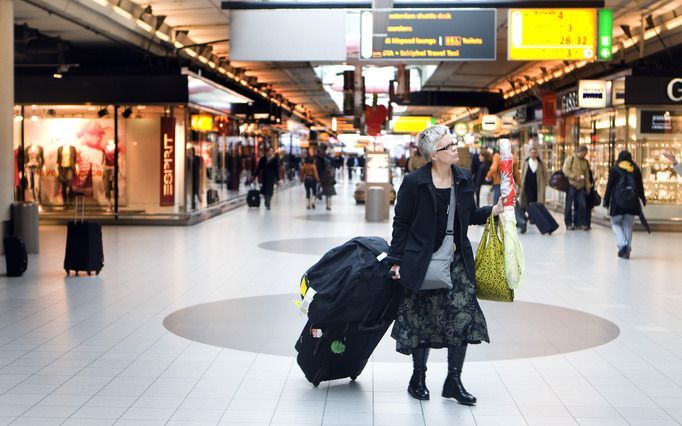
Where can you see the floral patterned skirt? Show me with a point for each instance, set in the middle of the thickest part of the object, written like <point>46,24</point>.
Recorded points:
<point>441,318</point>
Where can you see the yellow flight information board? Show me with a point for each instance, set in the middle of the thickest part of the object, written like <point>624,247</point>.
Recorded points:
<point>552,34</point>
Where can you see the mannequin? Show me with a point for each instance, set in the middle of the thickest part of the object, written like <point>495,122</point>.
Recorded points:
<point>34,168</point>
<point>66,170</point>
<point>108,163</point>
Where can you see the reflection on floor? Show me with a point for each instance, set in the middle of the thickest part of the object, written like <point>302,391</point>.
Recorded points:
<point>95,350</point>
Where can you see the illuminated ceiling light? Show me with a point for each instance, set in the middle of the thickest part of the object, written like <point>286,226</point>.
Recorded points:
<point>222,70</point>
<point>165,37</point>
<point>211,64</point>
<point>176,43</point>
<point>674,23</point>
<point>34,117</point>
<point>191,53</point>
<point>122,12</point>
<point>203,59</point>
<point>649,34</point>
<point>230,75</point>
<point>57,75</point>
<point>558,73</point>
<point>145,26</point>
<point>19,118</point>
<point>103,3</point>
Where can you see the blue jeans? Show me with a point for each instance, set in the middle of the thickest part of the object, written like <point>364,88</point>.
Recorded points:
<point>575,211</point>
<point>622,227</point>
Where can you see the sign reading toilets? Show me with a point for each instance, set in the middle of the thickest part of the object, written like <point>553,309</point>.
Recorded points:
<point>592,94</point>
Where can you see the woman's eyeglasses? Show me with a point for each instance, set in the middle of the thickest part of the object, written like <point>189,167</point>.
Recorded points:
<point>451,146</point>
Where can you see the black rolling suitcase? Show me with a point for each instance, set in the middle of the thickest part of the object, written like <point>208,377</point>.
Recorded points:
<point>84,251</point>
<point>542,218</point>
<point>341,350</point>
<point>351,304</point>
<point>16,257</point>
<point>253,196</point>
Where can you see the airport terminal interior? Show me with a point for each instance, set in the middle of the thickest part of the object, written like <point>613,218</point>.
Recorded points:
<point>172,172</point>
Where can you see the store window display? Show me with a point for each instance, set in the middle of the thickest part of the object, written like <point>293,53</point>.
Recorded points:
<point>66,171</point>
<point>34,168</point>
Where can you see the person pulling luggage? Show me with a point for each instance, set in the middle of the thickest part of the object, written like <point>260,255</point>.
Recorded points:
<point>446,317</point>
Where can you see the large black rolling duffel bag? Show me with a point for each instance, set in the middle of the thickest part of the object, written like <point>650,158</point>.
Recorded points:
<point>84,251</point>
<point>354,304</point>
<point>542,218</point>
<point>16,257</point>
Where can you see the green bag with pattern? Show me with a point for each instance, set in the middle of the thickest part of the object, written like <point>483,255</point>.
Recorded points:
<point>491,282</point>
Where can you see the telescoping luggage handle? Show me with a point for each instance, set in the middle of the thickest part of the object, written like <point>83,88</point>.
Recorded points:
<point>81,196</point>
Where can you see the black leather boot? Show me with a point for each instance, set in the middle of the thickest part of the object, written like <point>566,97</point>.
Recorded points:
<point>453,387</point>
<point>417,388</point>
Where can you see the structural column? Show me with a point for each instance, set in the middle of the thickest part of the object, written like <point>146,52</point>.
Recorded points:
<point>6,107</point>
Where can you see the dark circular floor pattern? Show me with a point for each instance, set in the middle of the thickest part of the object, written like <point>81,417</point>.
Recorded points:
<point>271,325</point>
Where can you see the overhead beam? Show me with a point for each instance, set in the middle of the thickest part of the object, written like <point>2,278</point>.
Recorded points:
<point>460,4</point>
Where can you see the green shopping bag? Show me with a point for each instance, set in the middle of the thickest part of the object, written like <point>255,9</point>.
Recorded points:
<point>491,282</point>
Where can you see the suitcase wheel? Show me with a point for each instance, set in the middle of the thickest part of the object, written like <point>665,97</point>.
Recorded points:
<point>67,272</point>
<point>89,273</point>
<point>353,378</point>
<point>97,272</point>
<point>316,383</point>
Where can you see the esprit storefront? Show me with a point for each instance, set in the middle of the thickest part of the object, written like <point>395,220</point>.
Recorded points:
<point>123,144</point>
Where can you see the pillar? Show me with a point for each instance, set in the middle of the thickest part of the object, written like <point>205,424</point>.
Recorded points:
<point>6,108</point>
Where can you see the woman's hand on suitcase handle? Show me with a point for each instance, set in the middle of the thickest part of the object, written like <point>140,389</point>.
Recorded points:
<point>394,273</point>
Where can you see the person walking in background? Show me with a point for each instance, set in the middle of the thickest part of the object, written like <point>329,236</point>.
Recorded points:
<point>624,190</point>
<point>327,181</point>
<point>534,178</point>
<point>442,318</point>
<point>485,161</point>
<point>577,170</point>
<point>268,175</point>
<point>310,178</point>
<point>676,165</point>
<point>350,165</point>
<point>415,161</point>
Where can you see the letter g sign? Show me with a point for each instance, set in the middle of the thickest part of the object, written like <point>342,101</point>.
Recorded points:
<point>675,90</point>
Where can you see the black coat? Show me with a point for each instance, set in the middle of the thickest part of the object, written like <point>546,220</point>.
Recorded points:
<point>414,224</point>
<point>616,175</point>
<point>268,173</point>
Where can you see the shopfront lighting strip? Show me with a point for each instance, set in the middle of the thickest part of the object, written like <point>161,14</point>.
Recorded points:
<point>203,59</point>
<point>103,3</point>
<point>191,53</point>
<point>178,45</point>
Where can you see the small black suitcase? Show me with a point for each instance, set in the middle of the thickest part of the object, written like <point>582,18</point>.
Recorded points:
<point>16,257</point>
<point>542,218</point>
<point>253,198</point>
<point>339,351</point>
<point>84,251</point>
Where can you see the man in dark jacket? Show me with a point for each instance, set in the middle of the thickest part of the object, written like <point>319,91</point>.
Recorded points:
<point>268,175</point>
<point>624,190</point>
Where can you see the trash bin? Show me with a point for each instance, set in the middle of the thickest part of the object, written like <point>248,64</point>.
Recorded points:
<point>376,204</point>
<point>25,224</point>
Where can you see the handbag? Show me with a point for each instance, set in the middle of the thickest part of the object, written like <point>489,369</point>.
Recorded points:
<point>559,181</point>
<point>595,198</point>
<point>438,273</point>
<point>491,282</point>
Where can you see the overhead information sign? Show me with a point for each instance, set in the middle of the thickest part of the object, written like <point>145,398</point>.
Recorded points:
<point>429,35</point>
<point>552,34</point>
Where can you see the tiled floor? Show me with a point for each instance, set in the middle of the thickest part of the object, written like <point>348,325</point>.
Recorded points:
<point>94,350</point>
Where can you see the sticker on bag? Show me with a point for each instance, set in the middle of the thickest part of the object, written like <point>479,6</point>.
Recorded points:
<point>338,347</point>
<point>307,300</point>
<point>316,333</point>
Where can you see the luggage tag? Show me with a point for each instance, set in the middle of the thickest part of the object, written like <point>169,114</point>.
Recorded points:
<point>307,300</point>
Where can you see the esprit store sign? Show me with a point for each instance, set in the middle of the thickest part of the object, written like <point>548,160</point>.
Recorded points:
<point>167,161</point>
<point>592,94</point>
